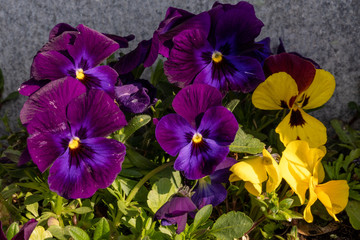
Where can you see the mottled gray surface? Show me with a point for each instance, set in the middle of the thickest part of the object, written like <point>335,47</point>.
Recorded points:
<point>327,31</point>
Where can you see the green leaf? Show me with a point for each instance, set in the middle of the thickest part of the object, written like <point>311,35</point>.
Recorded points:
<point>160,193</point>
<point>139,160</point>
<point>246,143</point>
<point>231,225</point>
<point>232,104</point>
<point>57,232</point>
<point>77,233</point>
<point>12,230</point>
<point>134,124</point>
<point>352,209</point>
<point>11,96</point>
<point>201,216</point>
<point>102,230</point>
<point>286,203</point>
<point>82,210</point>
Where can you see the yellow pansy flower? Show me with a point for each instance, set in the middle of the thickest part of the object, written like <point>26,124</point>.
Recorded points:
<point>254,171</point>
<point>294,83</point>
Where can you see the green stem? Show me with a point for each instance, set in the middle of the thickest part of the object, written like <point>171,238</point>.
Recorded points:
<point>144,179</point>
<point>58,209</point>
<point>255,224</point>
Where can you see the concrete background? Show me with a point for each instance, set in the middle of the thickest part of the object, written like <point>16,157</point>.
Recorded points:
<point>324,30</point>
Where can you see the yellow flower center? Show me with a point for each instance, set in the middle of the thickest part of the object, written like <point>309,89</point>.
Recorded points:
<point>74,143</point>
<point>197,138</point>
<point>80,74</point>
<point>216,56</point>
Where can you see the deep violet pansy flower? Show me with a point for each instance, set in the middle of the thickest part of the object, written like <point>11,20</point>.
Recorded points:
<point>217,52</point>
<point>210,190</point>
<point>199,133</point>
<point>68,133</point>
<point>24,233</point>
<point>176,210</point>
<point>80,60</point>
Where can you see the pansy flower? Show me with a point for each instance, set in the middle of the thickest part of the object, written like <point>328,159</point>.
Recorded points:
<point>67,135</point>
<point>295,84</point>
<point>199,133</point>
<point>24,233</point>
<point>210,189</point>
<point>256,170</point>
<point>78,54</point>
<point>176,210</point>
<point>217,52</point>
<point>301,167</point>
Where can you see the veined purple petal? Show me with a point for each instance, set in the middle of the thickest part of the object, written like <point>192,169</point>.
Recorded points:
<point>197,161</point>
<point>46,147</point>
<point>26,230</point>
<point>91,48</point>
<point>206,193</point>
<point>94,115</point>
<point>222,171</point>
<point>48,104</point>
<point>60,28</point>
<point>30,86</point>
<point>51,65</point>
<point>101,77</point>
<point>78,174</point>
<point>132,98</point>
<point>194,100</point>
<point>185,60</point>
<point>173,133</point>
<point>122,41</point>
<point>220,125</point>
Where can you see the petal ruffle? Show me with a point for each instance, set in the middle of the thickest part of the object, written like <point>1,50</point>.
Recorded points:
<point>194,100</point>
<point>94,115</point>
<point>275,93</point>
<point>273,170</point>
<point>312,199</point>
<point>298,125</point>
<point>79,174</point>
<point>173,133</point>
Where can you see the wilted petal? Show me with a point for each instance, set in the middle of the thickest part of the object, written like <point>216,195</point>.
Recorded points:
<point>194,100</point>
<point>132,98</point>
<point>79,173</point>
<point>94,115</point>
<point>29,87</point>
<point>59,28</point>
<point>173,133</point>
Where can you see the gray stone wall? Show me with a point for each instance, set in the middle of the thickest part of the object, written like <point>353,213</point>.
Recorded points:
<point>327,31</point>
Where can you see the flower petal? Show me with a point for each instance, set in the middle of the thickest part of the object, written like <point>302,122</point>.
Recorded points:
<point>222,171</point>
<point>254,188</point>
<point>194,100</point>
<point>101,77</point>
<point>200,161</point>
<point>275,93</point>
<point>219,124</point>
<point>320,90</point>
<point>334,195</point>
<point>94,115</point>
<point>79,174</point>
<point>250,170</point>
<point>205,194</point>
<point>298,125</point>
<point>312,199</point>
<point>273,170</point>
<point>30,86</point>
<point>26,230</point>
<point>132,98</point>
<point>173,133</point>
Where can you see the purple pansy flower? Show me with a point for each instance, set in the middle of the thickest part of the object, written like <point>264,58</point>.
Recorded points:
<point>176,210</point>
<point>210,189</point>
<point>67,134</point>
<point>77,54</point>
<point>200,133</point>
<point>24,233</point>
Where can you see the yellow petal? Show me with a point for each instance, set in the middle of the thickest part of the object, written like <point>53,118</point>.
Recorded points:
<point>334,195</point>
<point>253,188</point>
<point>250,170</point>
<point>312,130</point>
<point>298,184</point>
<point>320,90</point>
<point>276,88</point>
<point>312,199</point>
<point>234,178</point>
<point>273,170</point>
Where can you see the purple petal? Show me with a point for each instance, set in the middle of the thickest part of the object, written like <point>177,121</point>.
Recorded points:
<point>79,174</point>
<point>185,60</point>
<point>132,98</point>
<point>24,157</point>
<point>101,77</point>
<point>59,29</point>
<point>47,106</point>
<point>220,125</point>
<point>205,194</point>
<point>122,41</point>
<point>26,230</point>
<point>94,115</point>
<point>51,65</point>
<point>30,86</point>
<point>222,171</point>
<point>2,234</point>
<point>46,147</point>
<point>173,133</point>
<point>60,42</point>
<point>91,48</point>
<point>197,161</point>
<point>194,100</point>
